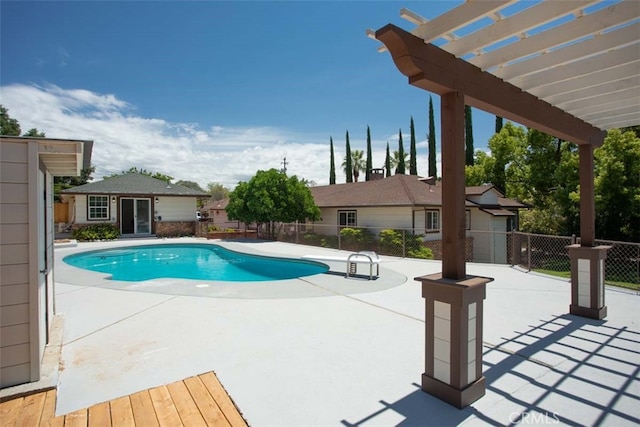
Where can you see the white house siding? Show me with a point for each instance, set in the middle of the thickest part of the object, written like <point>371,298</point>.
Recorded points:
<point>487,198</point>
<point>81,210</point>
<point>376,219</point>
<point>490,245</point>
<point>15,328</point>
<point>176,208</point>
<point>482,250</point>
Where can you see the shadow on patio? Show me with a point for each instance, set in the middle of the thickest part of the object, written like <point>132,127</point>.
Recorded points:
<point>565,370</point>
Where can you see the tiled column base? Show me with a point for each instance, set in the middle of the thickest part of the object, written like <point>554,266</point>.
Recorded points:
<point>453,356</point>
<point>587,281</point>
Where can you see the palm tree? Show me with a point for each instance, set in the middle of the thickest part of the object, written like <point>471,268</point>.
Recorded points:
<point>395,160</point>
<point>358,163</point>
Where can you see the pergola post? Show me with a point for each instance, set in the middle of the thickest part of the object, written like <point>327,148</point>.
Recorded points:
<point>453,300</point>
<point>587,260</point>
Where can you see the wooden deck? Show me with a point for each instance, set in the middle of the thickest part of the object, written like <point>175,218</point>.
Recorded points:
<point>195,401</point>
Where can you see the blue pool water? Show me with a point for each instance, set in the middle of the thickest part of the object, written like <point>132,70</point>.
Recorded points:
<point>191,261</point>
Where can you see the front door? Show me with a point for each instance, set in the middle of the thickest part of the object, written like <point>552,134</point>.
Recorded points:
<point>135,216</point>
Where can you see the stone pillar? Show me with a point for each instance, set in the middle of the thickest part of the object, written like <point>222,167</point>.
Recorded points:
<point>453,362</point>
<point>587,281</point>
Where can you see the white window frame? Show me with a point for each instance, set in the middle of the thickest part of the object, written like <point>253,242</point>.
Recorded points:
<point>432,220</point>
<point>351,218</point>
<point>93,208</point>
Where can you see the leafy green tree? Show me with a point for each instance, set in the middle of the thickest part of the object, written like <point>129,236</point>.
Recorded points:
<point>332,167</point>
<point>413,155</point>
<point>480,172</point>
<point>505,148</point>
<point>369,165</point>
<point>33,132</point>
<point>401,157</point>
<point>358,163</point>
<point>346,165</point>
<point>617,186</point>
<point>156,175</point>
<point>62,182</point>
<point>499,124</point>
<point>468,136</point>
<point>190,184</point>
<point>387,162</point>
<point>272,196</point>
<point>431,137</point>
<point>8,125</point>
<point>217,191</point>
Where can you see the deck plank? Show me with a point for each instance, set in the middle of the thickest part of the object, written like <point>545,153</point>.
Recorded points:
<point>10,410</point>
<point>166,411</point>
<point>77,418</point>
<point>209,410</point>
<point>189,412</point>
<point>195,401</point>
<point>100,415</point>
<point>143,412</point>
<point>222,398</point>
<point>31,411</point>
<point>121,412</point>
<point>49,408</point>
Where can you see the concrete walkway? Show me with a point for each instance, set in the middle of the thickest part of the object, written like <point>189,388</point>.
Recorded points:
<point>353,358</point>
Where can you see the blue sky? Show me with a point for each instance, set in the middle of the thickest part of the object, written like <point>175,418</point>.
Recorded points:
<point>214,91</point>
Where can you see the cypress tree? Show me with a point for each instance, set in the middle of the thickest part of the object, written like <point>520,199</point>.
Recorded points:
<point>367,175</point>
<point>413,161</point>
<point>332,170</point>
<point>348,170</point>
<point>498,124</point>
<point>433,167</point>
<point>387,162</point>
<point>468,136</point>
<point>401,169</point>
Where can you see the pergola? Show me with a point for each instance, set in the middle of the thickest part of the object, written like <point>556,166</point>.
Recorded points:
<point>567,68</point>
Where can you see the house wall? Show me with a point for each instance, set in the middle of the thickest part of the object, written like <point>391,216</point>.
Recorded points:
<point>80,206</point>
<point>377,219</point>
<point>488,198</point>
<point>176,208</point>
<point>15,266</point>
<point>490,238</point>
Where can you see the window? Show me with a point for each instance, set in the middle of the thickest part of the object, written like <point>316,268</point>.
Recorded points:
<point>432,221</point>
<point>98,207</point>
<point>347,218</point>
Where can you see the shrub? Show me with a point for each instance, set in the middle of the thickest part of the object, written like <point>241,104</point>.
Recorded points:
<point>391,243</point>
<point>356,238</point>
<point>96,232</point>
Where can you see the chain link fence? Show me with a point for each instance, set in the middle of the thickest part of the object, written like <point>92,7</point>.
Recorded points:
<point>535,252</point>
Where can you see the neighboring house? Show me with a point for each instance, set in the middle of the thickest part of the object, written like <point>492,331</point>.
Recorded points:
<point>135,203</point>
<point>407,202</point>
<point>27,168</point>
<point>214,212</point>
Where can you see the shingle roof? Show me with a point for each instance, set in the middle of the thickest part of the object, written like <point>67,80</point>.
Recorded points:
<point>396,190</point>
<point>134,184</point>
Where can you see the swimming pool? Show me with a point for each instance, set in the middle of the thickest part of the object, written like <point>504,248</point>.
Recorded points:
<point>191,261</point>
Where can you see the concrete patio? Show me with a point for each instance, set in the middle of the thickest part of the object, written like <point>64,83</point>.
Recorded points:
<point>350,352</point>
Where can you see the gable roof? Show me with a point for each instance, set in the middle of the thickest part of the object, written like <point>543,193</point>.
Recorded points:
<point>396,190</point>
<point>215,204</point>
<point>134,184</point>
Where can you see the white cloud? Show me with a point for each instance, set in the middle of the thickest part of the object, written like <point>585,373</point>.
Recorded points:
<point>186,151</point>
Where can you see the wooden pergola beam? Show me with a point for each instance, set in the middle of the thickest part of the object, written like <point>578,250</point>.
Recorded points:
<point>431,68</point>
